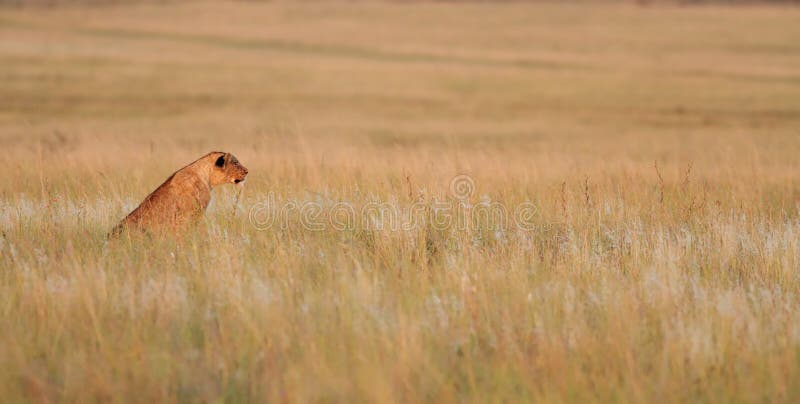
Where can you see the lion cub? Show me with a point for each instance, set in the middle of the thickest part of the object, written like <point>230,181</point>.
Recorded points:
<point>184,196</point>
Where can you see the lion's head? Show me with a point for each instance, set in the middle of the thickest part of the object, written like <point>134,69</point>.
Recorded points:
<point>226,169</point>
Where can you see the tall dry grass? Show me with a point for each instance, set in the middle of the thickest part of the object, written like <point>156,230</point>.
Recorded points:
<point>658,145</point>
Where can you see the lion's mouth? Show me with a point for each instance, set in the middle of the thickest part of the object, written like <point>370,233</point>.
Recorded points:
<point>236,181</point>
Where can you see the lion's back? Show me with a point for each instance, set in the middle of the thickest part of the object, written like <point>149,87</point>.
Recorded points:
<point>176,202</point>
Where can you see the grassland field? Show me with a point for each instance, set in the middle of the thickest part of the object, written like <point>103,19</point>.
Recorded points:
<point>659,147</point>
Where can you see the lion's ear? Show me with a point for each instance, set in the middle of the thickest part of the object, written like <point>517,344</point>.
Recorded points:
<point>220,161</point>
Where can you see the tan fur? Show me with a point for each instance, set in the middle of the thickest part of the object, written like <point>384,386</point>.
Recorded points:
<point>184,196</point>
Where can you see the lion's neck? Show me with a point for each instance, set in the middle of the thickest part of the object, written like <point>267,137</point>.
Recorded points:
<point>202,169</point>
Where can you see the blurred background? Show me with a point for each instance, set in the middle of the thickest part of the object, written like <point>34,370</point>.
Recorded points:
<point>540,90</point>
